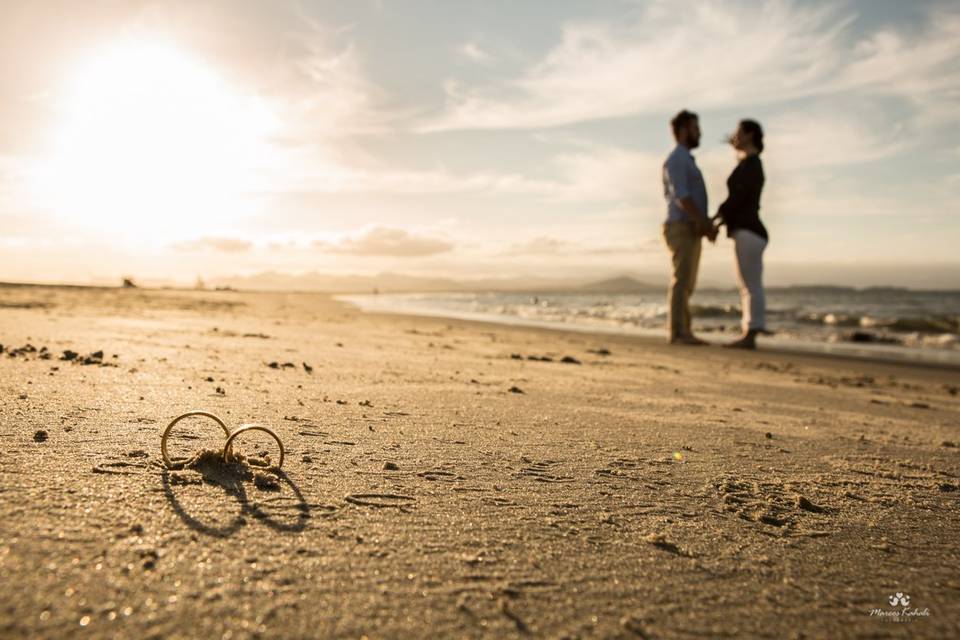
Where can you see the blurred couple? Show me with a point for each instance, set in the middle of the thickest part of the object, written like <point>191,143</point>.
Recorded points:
<point>688,222</point>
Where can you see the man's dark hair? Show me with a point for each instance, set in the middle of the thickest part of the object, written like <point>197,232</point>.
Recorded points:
<point>681,120</point>
<point>754,129</point>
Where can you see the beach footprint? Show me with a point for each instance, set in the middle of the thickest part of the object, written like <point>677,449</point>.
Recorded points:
<point>381,500</point>
<point>440,475</point>
<point>772,505</point>
<point>542,471</point>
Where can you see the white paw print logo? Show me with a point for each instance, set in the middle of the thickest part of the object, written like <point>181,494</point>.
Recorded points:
<point>900,599</point>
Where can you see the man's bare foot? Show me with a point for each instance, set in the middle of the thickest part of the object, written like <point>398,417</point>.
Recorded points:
<point>691,341</point>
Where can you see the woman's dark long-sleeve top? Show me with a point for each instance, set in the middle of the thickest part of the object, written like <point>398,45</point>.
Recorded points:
<point>741,209</point>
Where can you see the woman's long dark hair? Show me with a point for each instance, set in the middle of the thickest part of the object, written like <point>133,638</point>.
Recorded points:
<point>755,130</point>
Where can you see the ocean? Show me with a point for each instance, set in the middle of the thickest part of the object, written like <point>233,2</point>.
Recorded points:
<point>898,324</point>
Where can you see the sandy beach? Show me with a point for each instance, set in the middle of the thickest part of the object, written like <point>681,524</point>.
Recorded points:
<point>455,479</point>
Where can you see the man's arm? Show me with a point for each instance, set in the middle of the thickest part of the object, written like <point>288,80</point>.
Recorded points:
<point>677,174</point>
<point>698,217</point>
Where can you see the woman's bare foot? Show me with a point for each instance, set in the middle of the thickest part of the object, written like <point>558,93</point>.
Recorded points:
<point>746,341</point>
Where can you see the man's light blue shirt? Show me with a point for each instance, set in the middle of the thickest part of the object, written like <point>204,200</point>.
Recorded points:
<point>681,179</point>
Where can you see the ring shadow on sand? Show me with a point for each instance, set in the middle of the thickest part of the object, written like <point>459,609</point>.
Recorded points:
<point>273,511</point>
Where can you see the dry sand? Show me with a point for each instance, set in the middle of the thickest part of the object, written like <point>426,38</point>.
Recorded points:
<point>651,492</point>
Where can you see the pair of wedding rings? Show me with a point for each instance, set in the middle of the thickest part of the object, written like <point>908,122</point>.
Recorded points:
<point>231,436</point>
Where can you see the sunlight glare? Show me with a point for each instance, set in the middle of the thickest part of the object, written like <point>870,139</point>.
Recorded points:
<point>150,139</point>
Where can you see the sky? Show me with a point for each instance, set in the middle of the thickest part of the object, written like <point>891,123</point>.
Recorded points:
<point>173,140</point>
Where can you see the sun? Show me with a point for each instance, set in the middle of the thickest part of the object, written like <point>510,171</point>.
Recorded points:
<point>149,139</point>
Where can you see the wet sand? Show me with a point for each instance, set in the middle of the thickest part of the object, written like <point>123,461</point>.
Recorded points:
<point>455,479</point>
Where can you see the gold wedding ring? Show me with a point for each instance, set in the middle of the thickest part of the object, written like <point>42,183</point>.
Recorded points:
<point>177,464</point>
<point>252,427</point>
<point>231,435</point>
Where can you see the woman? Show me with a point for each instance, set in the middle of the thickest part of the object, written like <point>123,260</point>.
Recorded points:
<point>741,213</point>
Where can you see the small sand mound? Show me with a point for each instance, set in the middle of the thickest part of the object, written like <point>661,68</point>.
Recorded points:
<point>265,481</point>
<point>661,542</point>
<point>236,469</point>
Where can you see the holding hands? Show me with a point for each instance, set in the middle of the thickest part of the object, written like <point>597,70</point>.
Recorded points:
<point>715,223</point>
<point>710,229</point>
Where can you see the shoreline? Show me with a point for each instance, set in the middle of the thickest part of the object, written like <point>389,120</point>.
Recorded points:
<point>879,354</point>
<point>945,359</point>
<point>713,353</point>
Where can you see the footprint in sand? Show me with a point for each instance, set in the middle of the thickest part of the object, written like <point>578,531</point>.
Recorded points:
<point>381,500</point>
<point>314,434</point>
<point>497,501</point>
<point>626,469</point>
<point>769,503</point>
<point>439,475</point>
<point>540,471</point>
<point>119,468</point>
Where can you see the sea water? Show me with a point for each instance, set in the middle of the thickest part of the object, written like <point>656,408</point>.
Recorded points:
<point>883,322</point>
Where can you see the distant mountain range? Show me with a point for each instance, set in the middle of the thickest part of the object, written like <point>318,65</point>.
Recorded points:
<point>623,284</point>
<point>400,283</point>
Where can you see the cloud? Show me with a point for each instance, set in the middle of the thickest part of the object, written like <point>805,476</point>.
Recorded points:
<point>311,173</point>
<point>474,52</point>
<point>540,246</point>
<point>207,243</point>
<point>587,172</point>
<point>444,181</point>
<point>799,141</point>
<point>386,241</point>
<point>321,88</point>
<point>604,173</point>
<point>552,246</point>
<point>607,69</point>
<point>914,67</point>
<point>338,98</point>
<point>708,59</point>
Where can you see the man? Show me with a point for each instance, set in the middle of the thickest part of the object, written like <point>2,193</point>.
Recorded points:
<point>686,224</point>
